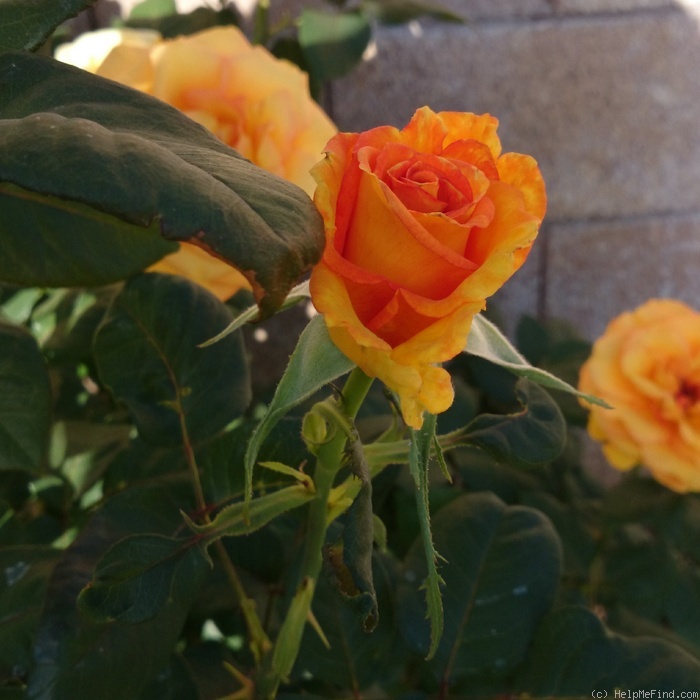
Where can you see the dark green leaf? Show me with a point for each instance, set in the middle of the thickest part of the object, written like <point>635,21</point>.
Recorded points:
<point>45,247</point>
<point>147,354</point>
<point>480,471</point>
<point>637,499</point>
<point>104,149</point>
<point>174,682</point>
<point>315,362</point>
<point>573,654</point>
<point>25,24</point>
<point>577,527</point>
<point>333,43</point>
<point>356,659</point>
<point>650,559</point>
<point>534,435</point>
<point>25,400</point>
<point>77,659</point>
<point>501,573</point>
<point>134,580</point>
<point>26,571</point>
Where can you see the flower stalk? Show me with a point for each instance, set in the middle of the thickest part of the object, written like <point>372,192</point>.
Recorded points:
<point>329,459</point>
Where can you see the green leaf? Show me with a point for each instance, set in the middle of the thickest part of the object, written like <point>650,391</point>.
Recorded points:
<point>25,400</point>
<point>573,653</point>
<point>333,43</point>
<point>78,659</point>
<point>106,150</point>
<point>26,24</point>
<point>26,571</point>
<point>149,9</point>
<point>146,352</point>
<point>501,574</point>
<point>355,659</point>
<point>401,11</point>
<point>315,362</point>
<point>418,461</point>
<point>534,435</point>
<point>133,581</point>
<point>486,341</point>
<point>650,561</point>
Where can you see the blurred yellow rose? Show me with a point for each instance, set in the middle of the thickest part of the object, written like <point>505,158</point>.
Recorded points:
<point>647,366</point>
<point>254,102</point>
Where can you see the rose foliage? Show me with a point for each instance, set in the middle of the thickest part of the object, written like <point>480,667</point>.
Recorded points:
<point>258,517</point>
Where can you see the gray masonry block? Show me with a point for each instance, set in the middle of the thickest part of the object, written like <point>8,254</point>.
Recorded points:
<point>595,271</point>
<point>478,10</point>
<point>598,6</point>
<point>609,107</point>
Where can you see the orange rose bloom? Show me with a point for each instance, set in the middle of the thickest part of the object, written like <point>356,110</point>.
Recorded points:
<point>422,225</point>
<point>254,102</point>
<point>647,366</point>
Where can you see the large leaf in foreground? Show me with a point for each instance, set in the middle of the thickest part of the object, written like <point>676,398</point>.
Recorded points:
<point>25,24</point>
<point>103,150</point>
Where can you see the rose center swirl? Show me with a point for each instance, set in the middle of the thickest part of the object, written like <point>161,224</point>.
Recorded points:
<point>687,395</point>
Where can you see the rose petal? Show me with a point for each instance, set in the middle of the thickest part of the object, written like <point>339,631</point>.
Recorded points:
<point>479,127</point>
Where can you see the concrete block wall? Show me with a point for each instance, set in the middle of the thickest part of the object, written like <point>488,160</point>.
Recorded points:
<point>606,96</point>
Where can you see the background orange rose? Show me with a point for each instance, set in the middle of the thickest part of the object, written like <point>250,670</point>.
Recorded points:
<point>647,366</point>
<point>254,102</point>
<point>422,225</point>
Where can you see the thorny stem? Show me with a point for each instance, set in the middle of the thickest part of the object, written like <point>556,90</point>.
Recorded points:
<point>328,462</point>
